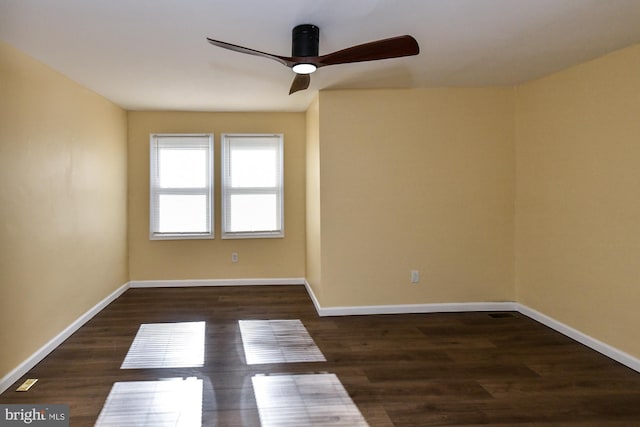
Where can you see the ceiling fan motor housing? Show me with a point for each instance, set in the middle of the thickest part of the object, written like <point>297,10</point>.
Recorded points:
<point>305,40</point>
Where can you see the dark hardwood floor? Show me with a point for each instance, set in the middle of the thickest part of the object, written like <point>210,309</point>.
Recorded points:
<point>403,370</point>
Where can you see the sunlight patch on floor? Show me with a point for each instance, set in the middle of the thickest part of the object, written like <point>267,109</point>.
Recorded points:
<point>278,341</point>
<point>167,345</point>
<point>170,402</point>
<point>304,400</point>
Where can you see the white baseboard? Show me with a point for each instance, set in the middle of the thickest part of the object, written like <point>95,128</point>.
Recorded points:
<point>213,282</point>
<point>407,308</point>
<point>417,308</point>
<point>603,348</point>
<point>41,353</point>
<point>312,295</point>
<point>35,358</point>
<point>597,345</point>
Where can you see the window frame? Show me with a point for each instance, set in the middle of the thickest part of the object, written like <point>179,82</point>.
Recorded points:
<point>227,191</point>
<point>155,191</point>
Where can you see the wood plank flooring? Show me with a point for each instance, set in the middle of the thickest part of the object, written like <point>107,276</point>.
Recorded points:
<point>459,369</point>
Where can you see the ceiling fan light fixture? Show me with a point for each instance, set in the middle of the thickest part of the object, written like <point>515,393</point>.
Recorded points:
<point>304,68</point>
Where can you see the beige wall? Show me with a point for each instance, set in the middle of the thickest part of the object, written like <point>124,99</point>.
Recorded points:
<point>62,204</point>
<point>416,179</point>
<point>211,259</point>
<point>578,204</point>
<point>312,169</point>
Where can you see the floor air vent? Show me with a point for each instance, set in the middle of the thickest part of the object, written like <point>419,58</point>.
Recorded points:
<point>500,315</point>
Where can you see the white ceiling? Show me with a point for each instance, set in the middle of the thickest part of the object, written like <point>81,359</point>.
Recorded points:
<point>153,54</point>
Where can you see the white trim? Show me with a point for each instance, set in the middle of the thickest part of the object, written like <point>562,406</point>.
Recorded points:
<point>417,308</point>
<point>43,351</point>
<point>213,282</point>
<point>408,308</point>
<point>599,346</point>
<point>312,295</point>
<point>595,344</point>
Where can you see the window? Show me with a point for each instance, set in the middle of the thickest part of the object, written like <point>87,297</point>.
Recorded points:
<point>252,186</point>
<point>181,187</point>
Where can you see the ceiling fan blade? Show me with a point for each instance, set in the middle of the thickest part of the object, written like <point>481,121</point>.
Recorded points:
<point>300,82</point>
<point>394,47</point>
<point>284,60</point>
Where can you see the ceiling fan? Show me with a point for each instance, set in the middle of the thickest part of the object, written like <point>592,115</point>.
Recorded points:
<point>304,58</point>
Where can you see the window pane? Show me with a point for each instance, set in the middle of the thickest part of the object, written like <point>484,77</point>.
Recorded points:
<point>182,168</point>
<point>252,186</point>
<point>253,212</point>
<point>182,214</point>
<point>254,167</point>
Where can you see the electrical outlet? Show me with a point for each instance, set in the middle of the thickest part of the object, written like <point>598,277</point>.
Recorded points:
<point>415,276</point>
<point>234,257</point>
